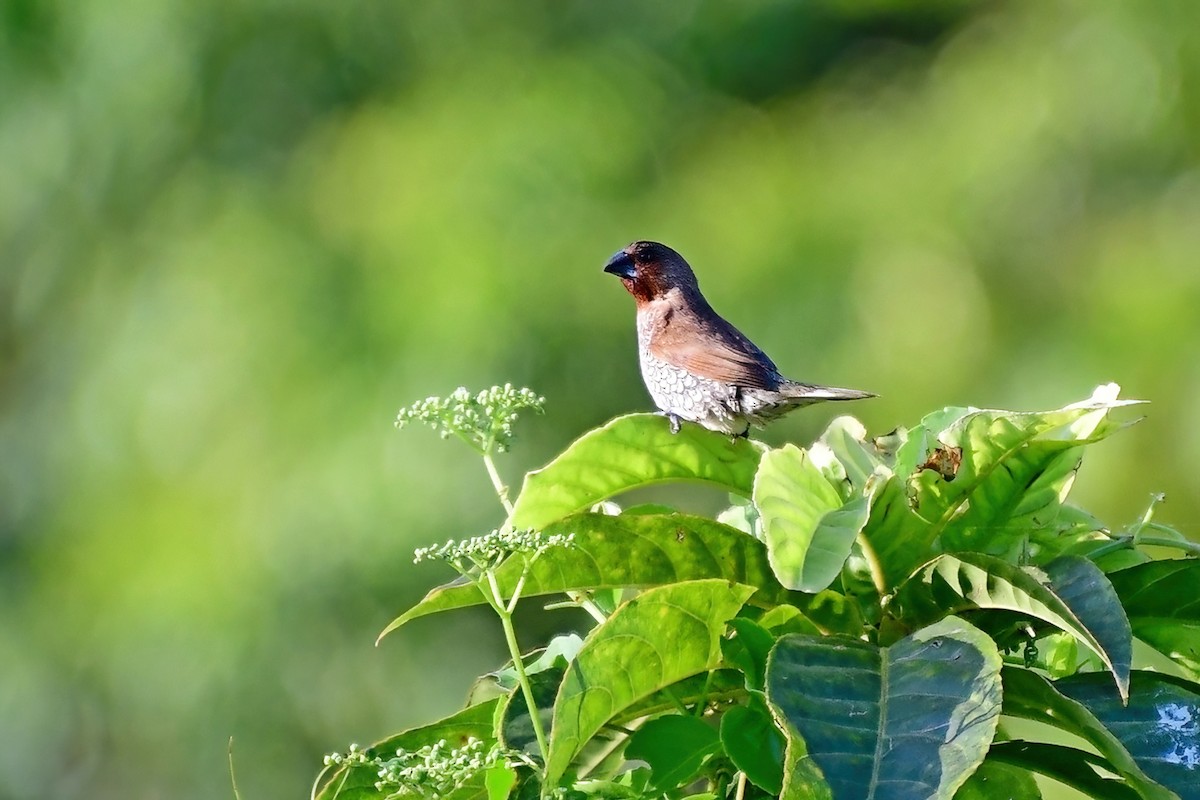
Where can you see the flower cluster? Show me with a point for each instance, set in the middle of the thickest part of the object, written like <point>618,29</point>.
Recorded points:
<point>435,770</point>
<point>353,758</point>
<point>490,549</point>
<point>484,420</point>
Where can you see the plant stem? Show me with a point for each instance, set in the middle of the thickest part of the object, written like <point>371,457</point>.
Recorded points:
<point>741,789</point>
<point>1154,541</point>
<point>496,600</point>
<point>497,484</point>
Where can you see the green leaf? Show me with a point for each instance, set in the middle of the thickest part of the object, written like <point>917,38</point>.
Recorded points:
<point>900,540</point>
<point>846,439</point>
<point>1160,726</point>
<point>748,649</point>
<point>1068,766</point>
<point>996,779</point>
<point>661,636</point>
<point>1016,469</point>
<point>1163,605</point>
<point>808,530</point>
<point>1072,594</point>
<point>675,747</point>
<point>1030,696</point>
<point>499,782</point>
<point>629,452</point>
<point>755,745</point>
<point>916,718</point>
<point>358,783</point>
<point>609,552</point>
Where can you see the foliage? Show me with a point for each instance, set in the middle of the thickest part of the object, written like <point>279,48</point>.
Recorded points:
<point>881,608</point>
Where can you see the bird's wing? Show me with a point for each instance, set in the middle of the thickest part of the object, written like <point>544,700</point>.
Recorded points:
<point>706,345</point>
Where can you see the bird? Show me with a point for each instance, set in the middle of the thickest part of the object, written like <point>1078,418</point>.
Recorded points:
<point>696,365</point>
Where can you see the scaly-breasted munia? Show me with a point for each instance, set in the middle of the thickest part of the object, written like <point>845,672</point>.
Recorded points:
<point>696,365</point>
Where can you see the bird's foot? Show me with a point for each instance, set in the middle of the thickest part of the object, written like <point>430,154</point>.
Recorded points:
<point>673,419</point>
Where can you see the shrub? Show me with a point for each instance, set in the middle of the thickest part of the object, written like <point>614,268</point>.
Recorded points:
<point>868,618</point>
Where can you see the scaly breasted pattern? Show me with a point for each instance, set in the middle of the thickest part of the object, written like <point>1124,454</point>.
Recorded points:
<point>696,365</point>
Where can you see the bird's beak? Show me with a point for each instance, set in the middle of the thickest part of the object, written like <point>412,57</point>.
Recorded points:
<point>621,265</point>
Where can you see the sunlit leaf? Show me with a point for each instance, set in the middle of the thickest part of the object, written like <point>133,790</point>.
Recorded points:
<point>608,552</point>
<point>661,636</point>
<point>808,528</point>
<point>1072,594</point>
<point>627,453</point>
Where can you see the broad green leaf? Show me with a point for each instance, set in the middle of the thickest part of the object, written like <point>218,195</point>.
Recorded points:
<point>1160,727</point>
<point>1070,767</point>
<point>846,439</point>
<point>787,619</point>
<point>808,530</point>
<point>629,452</point>
<point>831,612</point>
<point>755,745</point>
<point>913,720</point>
<point>995,780</point>
<point>474,722</point>
<point>1072,594</point>
<point>661,636</point>
<point>1163,605</point>
<point>499,781</point>
<point>1016,470</point>
<point>923,438</point>
<point>675,747</point>
<point>717,686</point>
<point>748,649</point>
<point>1030,696</point>
<point>609,552</point>
<point>900,540</point>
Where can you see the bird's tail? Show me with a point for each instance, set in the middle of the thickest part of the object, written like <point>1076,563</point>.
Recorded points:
<point>812,394</point>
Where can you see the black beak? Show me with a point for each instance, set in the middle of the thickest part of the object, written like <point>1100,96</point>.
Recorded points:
<point>621,265</point>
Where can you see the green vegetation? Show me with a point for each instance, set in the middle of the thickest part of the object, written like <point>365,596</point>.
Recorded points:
<point>234,236</point>
<point>870,615</point>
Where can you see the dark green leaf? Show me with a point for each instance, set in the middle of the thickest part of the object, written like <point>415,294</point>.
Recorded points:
<point>675,747</point>
<point>916,717</point>
<point>516,726</point>
<point>661,636</point>
<point>1068,766</point>
<point>628,452</point>
<point>1072,594</point>
<point>747,649</point>
<point>1160,727</point>
<point>997,780</point>
<point>807,528</point>
<point>1030,696</point>
<point>755,745</point>
<point>1163,605</point>
<point>609,552</point>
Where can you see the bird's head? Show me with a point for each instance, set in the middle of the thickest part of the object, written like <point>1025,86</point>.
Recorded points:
<point>649,270</point>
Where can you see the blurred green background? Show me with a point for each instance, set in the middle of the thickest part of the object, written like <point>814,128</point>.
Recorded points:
<point>236,236</point>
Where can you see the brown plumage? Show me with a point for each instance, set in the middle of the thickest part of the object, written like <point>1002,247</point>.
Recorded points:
<point>696,365</point>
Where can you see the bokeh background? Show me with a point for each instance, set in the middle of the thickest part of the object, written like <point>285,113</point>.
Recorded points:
<point>236,236</point>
